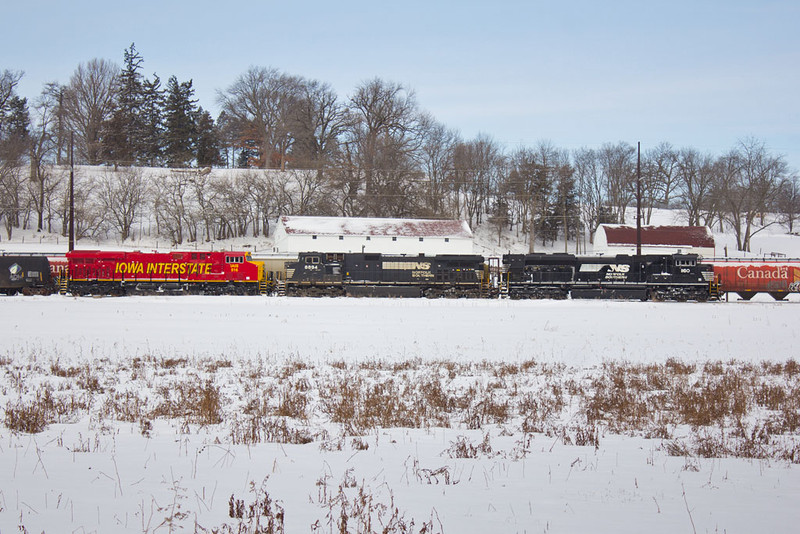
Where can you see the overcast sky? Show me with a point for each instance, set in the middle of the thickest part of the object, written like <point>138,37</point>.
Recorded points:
<point>696,73</point>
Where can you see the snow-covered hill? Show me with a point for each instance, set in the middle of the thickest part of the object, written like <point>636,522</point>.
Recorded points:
<point>773,240</point>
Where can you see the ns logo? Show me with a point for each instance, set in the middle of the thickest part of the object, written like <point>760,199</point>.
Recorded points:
<point>619,268</point>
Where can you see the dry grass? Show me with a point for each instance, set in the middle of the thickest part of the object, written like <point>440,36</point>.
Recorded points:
<point>722,408</point>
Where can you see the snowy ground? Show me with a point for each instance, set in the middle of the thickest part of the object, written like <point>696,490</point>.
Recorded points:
<point>119,458</point>
<point>177,414</point>
<point>573,332</point>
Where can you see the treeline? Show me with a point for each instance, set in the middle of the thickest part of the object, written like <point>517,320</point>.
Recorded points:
<point>375,153</point>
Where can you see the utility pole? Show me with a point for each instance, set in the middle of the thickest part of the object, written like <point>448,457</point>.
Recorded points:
<point>71,192</point>
<point>639,198</point>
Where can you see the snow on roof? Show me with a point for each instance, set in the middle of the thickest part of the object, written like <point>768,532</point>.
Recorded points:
<point>692,236</point>
<point>375,227</point>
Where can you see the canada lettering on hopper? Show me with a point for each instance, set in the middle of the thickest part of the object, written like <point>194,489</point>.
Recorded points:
<point>780,273</point>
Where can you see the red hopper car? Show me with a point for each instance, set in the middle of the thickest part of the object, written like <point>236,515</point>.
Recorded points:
<point>748,277</point>
<point>121,273</point>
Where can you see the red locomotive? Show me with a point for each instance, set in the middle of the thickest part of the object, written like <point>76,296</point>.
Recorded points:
<point>120,273</point>
<point>778,278</point>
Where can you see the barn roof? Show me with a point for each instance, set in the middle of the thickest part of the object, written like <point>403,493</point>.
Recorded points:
<point>693,236</point>
<point>297,225</point>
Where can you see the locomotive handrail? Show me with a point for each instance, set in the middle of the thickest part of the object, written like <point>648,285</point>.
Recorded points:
<point>760,259</point>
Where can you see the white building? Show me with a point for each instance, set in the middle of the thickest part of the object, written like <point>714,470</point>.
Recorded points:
<point>411,237</point>
<point>613,239</point>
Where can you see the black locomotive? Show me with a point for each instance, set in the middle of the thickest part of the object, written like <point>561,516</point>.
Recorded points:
<point>380,275</point>
<point>29,275</point>
<point>657,277</point>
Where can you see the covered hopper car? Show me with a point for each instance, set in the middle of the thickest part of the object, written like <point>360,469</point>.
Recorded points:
<point>26,274</point>
<point>749,277</point>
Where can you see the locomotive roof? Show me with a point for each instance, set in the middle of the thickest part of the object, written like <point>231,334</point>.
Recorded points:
<point>376,226</point>
<point>690,236</point>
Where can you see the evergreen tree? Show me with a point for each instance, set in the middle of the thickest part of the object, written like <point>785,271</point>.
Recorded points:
<point>153,122</point>
<point>14,131</point>
<point>123,132</point>
<point>208,141</point>
<point>15,119</point>
<point>14,145</point>
<point>180,120</point>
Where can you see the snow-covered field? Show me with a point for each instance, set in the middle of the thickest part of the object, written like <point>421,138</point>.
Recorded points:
<point>176,414</point>
<point>576,333</point>
<point>240,414</point>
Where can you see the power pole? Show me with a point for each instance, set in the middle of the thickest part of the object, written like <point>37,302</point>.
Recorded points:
<point>639,198</point>
<point>71,192</point>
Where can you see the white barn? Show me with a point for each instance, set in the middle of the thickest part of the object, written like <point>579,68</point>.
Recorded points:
<point>411,237</point>
<point>613,239</point>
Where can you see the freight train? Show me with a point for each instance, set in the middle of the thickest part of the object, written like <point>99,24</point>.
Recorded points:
<point>678,277</point>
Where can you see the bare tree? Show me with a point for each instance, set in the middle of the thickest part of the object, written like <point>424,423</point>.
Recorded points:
<point>89,219</point>
<point>591,189</point>
<point>300,192</point>
<point>752,179</point>
<point>382,141</point>
<point>475,175</point>
<point>233,211</point>
<point>43,144</point>
<point>789,201</point>
<point>262,103</point>
<point>121,196</point>
<point>542,182</point>
<point>205,192</point>
<point>318,122</point>
<point>436,156</point>
<point>171,194</point>
<point>12,197</point>
<point>696,183</point>
<point>659,169</point>
<point>88,103</point>
<point>259,192</point>
<point>618,165</point>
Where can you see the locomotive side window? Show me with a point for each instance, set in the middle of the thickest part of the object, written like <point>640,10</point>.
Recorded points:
<point>234,259</point>
<point>685,263</point>
<point>312,260</point>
